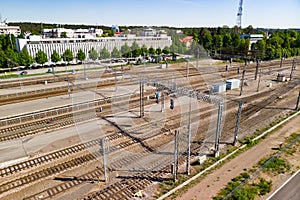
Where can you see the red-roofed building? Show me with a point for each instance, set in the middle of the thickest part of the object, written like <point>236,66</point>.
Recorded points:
<point>188,40</point>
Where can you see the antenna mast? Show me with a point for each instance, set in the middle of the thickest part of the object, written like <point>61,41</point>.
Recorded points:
<point>239,15</point>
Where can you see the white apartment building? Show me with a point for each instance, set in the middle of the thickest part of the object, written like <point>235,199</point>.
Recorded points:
<point>48,45</point>
<point>5,29</point>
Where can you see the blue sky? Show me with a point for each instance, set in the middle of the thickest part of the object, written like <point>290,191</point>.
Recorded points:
<point>179,13</point>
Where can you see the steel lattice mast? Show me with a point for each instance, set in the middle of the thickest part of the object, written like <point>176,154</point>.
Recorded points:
<point>239,15</point>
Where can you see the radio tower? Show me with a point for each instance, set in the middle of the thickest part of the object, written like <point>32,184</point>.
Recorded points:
<point>239,15</point>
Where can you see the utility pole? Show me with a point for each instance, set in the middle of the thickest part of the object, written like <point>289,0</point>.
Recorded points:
<point>293,68</point>
<point>188,69</point>
<point>242,84</point>
<point>103,142</point>
<point>188,161</point>
<point>218,131</point>
<point>162,99</point>
<point>238,122</point>
<point>243,78</point>
<point>115,73</point>
<point>175,166</point>
<point>69,89</point>
<point>258,80</point>
<point>226,68</point>
<point>141,98</point>
<point>256,70</point>
<point>298,100</point>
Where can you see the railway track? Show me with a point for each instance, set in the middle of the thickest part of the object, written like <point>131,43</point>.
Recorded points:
<point>8,99</point>
<point>129,185</point>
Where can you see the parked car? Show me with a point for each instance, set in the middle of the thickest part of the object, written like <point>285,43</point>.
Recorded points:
<point>23,73</point>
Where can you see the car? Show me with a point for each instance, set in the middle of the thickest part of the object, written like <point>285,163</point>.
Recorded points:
<point>23,73</point>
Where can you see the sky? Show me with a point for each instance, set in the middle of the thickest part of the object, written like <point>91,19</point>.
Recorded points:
<point>177,13</point>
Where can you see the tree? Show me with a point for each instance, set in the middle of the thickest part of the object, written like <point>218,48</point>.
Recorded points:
<point>151,50</point>
<point>24,58</point>
<point>166,50</point>
<point>136,51</point>
<point>41,57</point>
<point>207,40</point>
<point>63,35</point>
<point>115,53</point>
<point>104,54</point>
<point>55,57</point>
<point>158,51</point>
<point>81,55</point>
<point>126,50</point>
<point>227,41</point>
<point>144,50</point>
<point>67,55</point>
<point>93,54</point>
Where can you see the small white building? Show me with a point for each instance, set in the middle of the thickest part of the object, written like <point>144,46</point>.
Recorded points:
<point>218,87</point>
<point>232,84</point>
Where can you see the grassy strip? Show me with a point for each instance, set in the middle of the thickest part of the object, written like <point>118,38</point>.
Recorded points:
<point>241,188</point>
<point>166,186</point>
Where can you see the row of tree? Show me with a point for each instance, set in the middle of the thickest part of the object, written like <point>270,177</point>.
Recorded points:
<point>126,51</point>
<point>228,42</point>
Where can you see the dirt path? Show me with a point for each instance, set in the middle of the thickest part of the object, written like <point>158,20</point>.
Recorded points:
<point>215,181</point>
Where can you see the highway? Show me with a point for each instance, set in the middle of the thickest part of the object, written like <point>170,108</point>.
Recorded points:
<point>290,190</point>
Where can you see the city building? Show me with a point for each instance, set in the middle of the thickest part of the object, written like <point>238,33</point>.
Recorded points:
<point>188,40</point>
<point>253,37</point>
<point>70,33</point>
<point>6,29</point>
<point>48,45</point>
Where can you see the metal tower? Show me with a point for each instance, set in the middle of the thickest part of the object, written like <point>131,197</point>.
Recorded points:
<point>239,15</point>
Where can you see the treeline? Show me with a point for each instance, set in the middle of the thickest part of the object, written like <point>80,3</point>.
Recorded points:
<point>9,57</point>
<point>226,42</point>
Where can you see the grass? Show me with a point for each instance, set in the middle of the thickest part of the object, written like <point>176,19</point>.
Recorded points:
<point>245,191</point>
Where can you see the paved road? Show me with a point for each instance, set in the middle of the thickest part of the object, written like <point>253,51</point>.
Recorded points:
<point>289,191</point>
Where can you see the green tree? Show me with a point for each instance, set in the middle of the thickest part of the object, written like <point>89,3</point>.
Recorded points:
<point>41,57</point>
<point>151,51</point>
<point>25,58</point>
<point>227,40</point>
<point>135,49</point>
<point>207,40</point>
<point>104,54</point>
<point>158,51</point>
<point>55,57</point>
<point>144,50</point>
<point>166,50</point>
<point>93,54</point>
<point>67,55</point>
<point>63,35</point>
<point>115,53</point>
<point>126,50</point>
<point>81,55</point>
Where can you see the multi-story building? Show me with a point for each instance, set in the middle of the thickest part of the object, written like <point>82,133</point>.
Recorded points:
<point>70,33</point>
<point>5,29</point>
<point>48,45</point>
